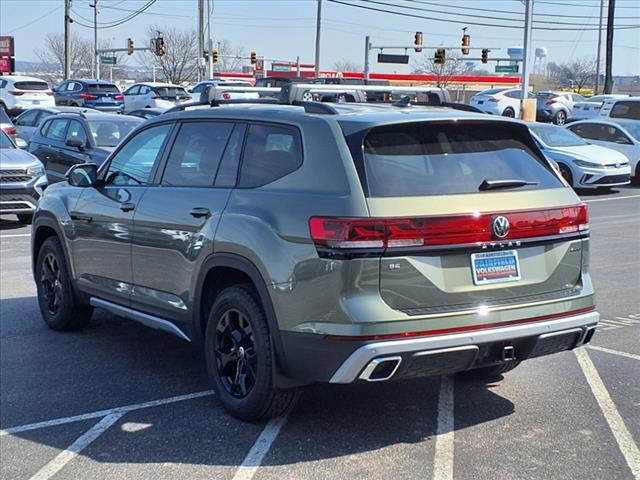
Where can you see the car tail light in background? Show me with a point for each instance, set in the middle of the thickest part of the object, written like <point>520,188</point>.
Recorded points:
<point>551,102</point>
<point>10,131</point>
<point>226,96</point>
<point>88,96</point>
<point>119,97</point>
<point>49,94</point>
<point>156,97</point>
<point>16,94</point>
<point>493,100</point>
<point>447,230</point>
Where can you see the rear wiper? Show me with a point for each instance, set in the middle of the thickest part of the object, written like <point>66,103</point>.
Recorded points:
<point>495,184</point>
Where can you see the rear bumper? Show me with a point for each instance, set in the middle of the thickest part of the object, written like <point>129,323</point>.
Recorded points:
<point>321,358</point>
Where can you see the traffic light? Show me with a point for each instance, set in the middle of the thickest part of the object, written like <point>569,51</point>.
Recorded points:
<point>485,55</point>
<point>129,46</point>
<point>466,41</point>
<point>417,41</point>
<point>215,57</point>
<point>254,58</point>
<point>161,49</point>
<point>440,56</point>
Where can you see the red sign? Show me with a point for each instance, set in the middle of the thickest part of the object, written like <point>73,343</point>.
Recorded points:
<point>6,47</point>
<point>259,65</point>
<point>6,65</point>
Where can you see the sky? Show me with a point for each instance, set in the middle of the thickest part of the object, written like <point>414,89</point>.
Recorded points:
<point>284,29</point>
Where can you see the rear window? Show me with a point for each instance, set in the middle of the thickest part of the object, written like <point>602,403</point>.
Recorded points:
<point>626,109</point>
<point>171,92</point>
<point>31,85</point>
<point>98,88</point>
<point>492,91</point>
<point>434,159</point>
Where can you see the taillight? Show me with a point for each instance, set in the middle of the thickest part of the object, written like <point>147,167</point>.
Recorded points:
<point>88,96</point>
<point>16,94</point>
<point>226,96</point>
<point>50,94</point>
<point>10,131</point>
<point>156,97</point>
<point>551,102</point>
<point>119,97</point>
<point>443,231</point>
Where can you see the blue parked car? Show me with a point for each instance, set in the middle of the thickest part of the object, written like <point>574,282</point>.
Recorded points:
<point>98,94</point>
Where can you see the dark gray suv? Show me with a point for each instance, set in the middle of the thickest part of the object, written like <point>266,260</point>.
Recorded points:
<point>323,243</point>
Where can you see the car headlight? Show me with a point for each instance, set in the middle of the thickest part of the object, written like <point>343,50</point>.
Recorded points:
<point>35,171</point>
<point>582,163</point>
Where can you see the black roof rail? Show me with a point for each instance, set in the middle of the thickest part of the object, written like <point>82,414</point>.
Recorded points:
<point>231,101</point>
<point>316,107</point>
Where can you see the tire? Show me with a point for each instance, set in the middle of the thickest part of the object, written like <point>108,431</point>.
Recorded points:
<point>560,118</point>
<point>25,218</point>
<point>492,372</point>
<point>59,308</point>
<point>237,339</point>
<point>636,178</point>
<point>509,112</point>
<point>566,173</point>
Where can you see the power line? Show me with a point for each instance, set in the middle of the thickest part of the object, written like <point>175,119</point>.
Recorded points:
<point>117,23</point>
<point>34,20</point>
<point>579,4</point>
<point>460,22</point>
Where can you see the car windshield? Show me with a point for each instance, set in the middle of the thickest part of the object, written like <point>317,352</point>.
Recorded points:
<point>110,133</point>
<point>102,88</point>
<point>31,85</point>
<point>492,91</point>
<point>446,158</point>
<point>4,141</point>
<point>557,137</point>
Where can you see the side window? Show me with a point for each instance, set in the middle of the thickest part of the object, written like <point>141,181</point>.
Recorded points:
<point>271,152</point>
<point>134,162</point>
<point>586,130</point>
<point>3,83</point>
<point>228,171</point>
<point>71,86</point>
<point>144,90</point>
<point>198,88</point>
<point>56,129</point>
<point>76,131</point>
<point>618,136</point>
<point>196,153</point>
<point>133,90</point>
<point>626,109</point>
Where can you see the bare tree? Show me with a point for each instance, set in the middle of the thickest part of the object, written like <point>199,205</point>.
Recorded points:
<point>346,65</point>
<point>180,62</point>
<point>454,65</point>
<point>230,60</point>
<point>52,56</point>
<point>581,71</point>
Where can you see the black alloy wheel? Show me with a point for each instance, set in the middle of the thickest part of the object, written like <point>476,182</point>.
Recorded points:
<point>51,282</point>
<point>235,353</point>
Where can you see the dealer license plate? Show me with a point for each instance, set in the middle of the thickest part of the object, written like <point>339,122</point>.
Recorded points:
<point>495,267</point>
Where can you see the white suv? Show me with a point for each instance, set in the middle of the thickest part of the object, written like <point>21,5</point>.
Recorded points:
<point>621,108</point>
<point>154,95</point>
<point>499,101</point>
<point>18,93</point>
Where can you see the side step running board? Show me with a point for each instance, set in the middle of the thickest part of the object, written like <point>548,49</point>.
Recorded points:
<point>140,317</point>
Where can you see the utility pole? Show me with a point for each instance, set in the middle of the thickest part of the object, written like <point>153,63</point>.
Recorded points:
<point>595,91</point>
<point>367,48</point>
<point>200,39</point>
<point>318,22</point>
<point>528,15</point>
<point>95,65</point>
<point>209,41</point>
<point>67,39</point>
<point>608,74</point>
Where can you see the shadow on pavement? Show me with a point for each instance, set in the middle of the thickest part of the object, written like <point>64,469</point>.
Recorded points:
<point>10,224</point>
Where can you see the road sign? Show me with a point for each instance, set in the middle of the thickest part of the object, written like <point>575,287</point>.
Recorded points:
<point>506,68</point>
<point>281,68</point>
<point>7,65</point>
<point>108,60</point>
<point>391,58</point>
<point>259,65</point>
<point>6,46</point>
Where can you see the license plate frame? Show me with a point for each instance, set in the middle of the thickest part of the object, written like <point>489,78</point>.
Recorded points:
<point>504,265</point>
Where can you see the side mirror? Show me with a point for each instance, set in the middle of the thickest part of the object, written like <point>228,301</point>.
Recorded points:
<point>83,175</point>
<point>20,143</point>
<point>75,142</point>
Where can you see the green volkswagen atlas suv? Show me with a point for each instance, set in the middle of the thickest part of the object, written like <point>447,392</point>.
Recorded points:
<point>320,242</point>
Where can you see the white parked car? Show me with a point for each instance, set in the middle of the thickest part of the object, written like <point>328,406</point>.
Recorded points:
<point>18,93</point>
<point>581,164</point>
<point>591,107</point>
<point>154,95</point>
<point>499,101</point>
<point>199,88</point>
<point>621,135</point>
<point>624,108</point>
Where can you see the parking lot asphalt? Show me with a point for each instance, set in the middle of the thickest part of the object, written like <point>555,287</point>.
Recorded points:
<point>118,400</point>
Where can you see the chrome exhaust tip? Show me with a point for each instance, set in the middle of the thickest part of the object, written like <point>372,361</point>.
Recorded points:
<point>588,335</point>
<point>381,369</point>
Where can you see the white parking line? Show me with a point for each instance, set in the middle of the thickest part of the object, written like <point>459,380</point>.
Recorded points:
<point>620,432</point>
<point>614,352</point>
<point>15,235</point>
<point>103,413</point>
<point>72,451</point>
<point>443,457</point>
<point>253,460</point>
<point>609,199</point>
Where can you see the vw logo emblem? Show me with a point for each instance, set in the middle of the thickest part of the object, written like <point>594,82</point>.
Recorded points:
<point>500,226</point>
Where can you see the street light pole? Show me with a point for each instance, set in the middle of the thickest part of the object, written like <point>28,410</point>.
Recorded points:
<point>595,92</point>
<point>318,22</point>
<point>528,15</point>
<point>367,48</point>
<point>96,55</point>
<point>67,39</point>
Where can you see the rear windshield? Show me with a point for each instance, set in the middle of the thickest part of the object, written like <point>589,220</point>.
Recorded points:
<point>171,92</point>
<point>31,86</point>
<point>110,133</point>
<point>626,109</point>
<point>445,158</point>
<point>493,91</point>
<point>99,88</point>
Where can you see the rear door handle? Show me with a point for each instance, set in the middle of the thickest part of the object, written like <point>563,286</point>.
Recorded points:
<point>127,207</point>
<point>199,212</point>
